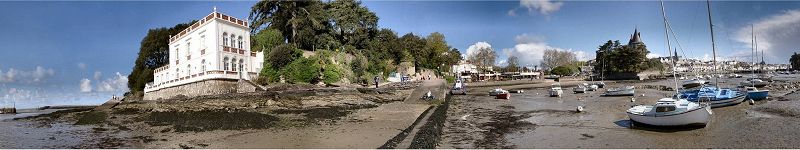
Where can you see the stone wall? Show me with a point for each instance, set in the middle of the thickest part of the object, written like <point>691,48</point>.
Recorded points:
<point>205,87</point>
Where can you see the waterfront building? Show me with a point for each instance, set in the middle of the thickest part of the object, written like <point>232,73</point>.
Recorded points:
<point>216,47</point>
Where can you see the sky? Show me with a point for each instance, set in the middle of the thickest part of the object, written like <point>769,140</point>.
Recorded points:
<point>80,52</point>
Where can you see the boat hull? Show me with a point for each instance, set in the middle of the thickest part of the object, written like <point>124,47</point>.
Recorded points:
<point>623,92</point>
<point>757,95</point>
<point>699,116</point>
<point>555,93</point>
<point>458,92</point>
<point>503,96</point>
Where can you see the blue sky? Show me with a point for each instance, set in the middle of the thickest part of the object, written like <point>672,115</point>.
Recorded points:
<point>79,52</point>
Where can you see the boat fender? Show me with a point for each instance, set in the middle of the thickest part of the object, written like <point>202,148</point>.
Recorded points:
<point>752,102</point>
<point>633,99</point>
<point>579,109</point>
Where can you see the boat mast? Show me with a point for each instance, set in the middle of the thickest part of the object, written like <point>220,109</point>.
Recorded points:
<point>669,48</point>
<point>753,52</point>
<point>713,45</point>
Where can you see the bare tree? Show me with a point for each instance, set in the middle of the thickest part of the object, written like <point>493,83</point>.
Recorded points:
<point>553,58</point>
<point>484,57</point>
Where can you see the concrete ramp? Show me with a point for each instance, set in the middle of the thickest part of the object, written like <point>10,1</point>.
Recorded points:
<point>109,104</point>
<point>437,87</point>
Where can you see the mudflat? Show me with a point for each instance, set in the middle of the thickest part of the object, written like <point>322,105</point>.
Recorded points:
<point>534,120</point>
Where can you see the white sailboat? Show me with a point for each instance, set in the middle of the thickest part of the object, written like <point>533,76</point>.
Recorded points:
<point>671,111</point>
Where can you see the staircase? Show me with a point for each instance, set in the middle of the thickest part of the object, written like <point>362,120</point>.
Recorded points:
<point>245,86</point>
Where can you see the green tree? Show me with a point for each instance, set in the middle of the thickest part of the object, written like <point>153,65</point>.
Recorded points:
<point>300,22</point>
<point>283,55</point>
<point>795,61</point>
<point>562,70</point>
<point>352,23</point>
<point>267,39</point>
<point>153,53</point>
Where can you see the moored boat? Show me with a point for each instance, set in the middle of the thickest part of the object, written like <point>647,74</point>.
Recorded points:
<point>695,82</point>
<point>497,91</point>
<point>458,88</point>
<point>579,89</point>
<point>755,94</point>
<point>717,97</point>
<point>504,95</point>
<point>755,82</point>
<point>555,90</point>
<point>671,112</point>
<point>623,91</point>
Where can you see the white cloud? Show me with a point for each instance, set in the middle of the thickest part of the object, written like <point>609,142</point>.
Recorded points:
<point>777,35</point>
<point>118,83</point>
<point>472,49</point>
<point>38,74</point>
<point>544,7</point>
<point>82,66</point>
<point>41,73</point>
<point>530,50</point>
<point>97,75</point>
<point>86,85</point>
<point>653,55</point>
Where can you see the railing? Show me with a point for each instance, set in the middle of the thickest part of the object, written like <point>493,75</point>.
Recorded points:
<point>206,20</point>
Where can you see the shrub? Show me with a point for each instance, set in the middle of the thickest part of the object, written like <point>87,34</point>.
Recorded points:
<point>302,70</point>
<point>282,55</point>
<point>331,74</point>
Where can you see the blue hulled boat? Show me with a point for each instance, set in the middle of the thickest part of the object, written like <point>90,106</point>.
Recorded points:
<point>717,97</point>
<point>755,94</point>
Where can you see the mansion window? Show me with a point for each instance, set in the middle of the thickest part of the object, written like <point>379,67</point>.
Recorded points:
<point>188,50</point>
<point>225,39</point>
<point>225,61</point>
<point>233,39</point>
<point>233,64</point>
<point>188,70</point>
<point>241,65</point>
<point>203,68</point>
<point>240,42</point>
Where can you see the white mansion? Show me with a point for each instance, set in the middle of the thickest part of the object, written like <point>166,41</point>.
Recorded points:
<point>216,47</point>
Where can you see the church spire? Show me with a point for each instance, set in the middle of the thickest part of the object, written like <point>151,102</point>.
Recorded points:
<point>636,37</point>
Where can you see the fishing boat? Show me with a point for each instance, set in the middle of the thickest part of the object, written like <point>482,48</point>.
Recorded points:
<point>623,91</point>
<point>555,90</point>
<point>671,112</point>
<point>503,95</point>
<point>695,82</point>
<point>599,84</point>
<point>755,94</point>
<point>497,91</point>
<point>579,89</point>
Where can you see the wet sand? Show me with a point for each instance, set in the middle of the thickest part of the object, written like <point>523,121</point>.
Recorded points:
<point>534,120</point>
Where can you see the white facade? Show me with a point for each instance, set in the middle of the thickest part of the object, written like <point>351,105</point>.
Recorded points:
<point>215,47</point>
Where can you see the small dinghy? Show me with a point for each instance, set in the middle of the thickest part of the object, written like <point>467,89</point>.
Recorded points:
<point>754,94</point>
<point>624,91</point>
<point>671,112</point>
